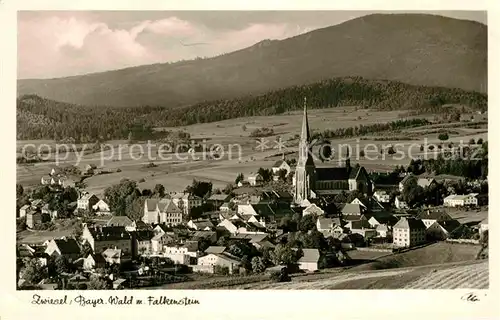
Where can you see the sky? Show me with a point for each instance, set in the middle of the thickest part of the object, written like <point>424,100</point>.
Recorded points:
<point>55,44</point>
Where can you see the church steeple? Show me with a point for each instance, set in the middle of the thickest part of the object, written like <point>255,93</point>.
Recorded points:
<point>305,170</point>
<point>305,124</point>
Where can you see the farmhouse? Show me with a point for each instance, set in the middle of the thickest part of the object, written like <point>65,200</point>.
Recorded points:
<point>455,200</point>
<point>87,201</point>
<point>224,260</point>
<point>101,208</point>
<point>280,165</point>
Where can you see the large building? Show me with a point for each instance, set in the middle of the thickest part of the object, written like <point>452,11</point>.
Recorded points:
<point>310,182</point>
<point>409,232</point>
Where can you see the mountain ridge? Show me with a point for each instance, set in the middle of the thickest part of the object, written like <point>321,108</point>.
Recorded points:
<point>416,49</point>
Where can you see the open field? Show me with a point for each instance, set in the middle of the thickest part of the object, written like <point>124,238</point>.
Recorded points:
<point>176,172</point>
<point>37,237</point>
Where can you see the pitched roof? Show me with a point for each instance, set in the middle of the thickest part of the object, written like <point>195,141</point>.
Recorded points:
<point>425,182</point>
<point>202,224</point>
<point>359,224</point>
<point>325,223</point>
<point>218,197</point>
<point>109,233</point>
<point>119,221</point>
<point>202,234</point>
<point>168,206</point>
<point>215,249</point>
<point>332,174</point>
<point>409,223</point>
<point>192,246</point>
<point>67,246</point>
<point>352,208</point>
<point>112,253</point>
<point>228,257</point>
<point>449,225</point>
<point>433,215</point>
<point>278,163</point>
<point>310,255</point>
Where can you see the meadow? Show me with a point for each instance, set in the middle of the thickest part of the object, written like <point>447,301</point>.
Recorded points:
<point>176,172</point>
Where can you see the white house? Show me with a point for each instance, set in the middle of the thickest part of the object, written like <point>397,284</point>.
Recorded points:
<point>101,208</point>
<point>221,260</point>
<point>455,200</point>
<point>87,201</point>
<point>309,260</point>
<point>280,165</point>
<point>255,179</point>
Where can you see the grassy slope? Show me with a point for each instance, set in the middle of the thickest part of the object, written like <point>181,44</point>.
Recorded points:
<point>436,253</point>
<point>412,48</point>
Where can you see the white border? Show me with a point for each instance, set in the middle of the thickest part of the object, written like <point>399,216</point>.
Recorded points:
<point>344,304</point>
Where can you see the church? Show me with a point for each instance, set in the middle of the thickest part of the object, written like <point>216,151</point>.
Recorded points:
<point>310,182</point>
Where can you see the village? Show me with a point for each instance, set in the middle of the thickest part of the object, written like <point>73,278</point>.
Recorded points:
<point>290,218</point>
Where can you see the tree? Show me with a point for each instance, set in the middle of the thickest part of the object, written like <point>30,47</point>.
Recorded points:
<point>135,209</point>
<point>308,222</point>
<point>361,153</point>
<point>240,177</point>
<point>480,141</point>
<point>159,190</point>
<point>199,188</point>
<point>34,272</point>
<point>77,231</point>
<point>284,254</point>
<point>421,147</point>
<point>282,174</point>
<point>266,174</point>
<point>97,283</point>
<point>258,265</point>
<point>120,195</point>
<point>228,189</point>
<point>391,150</point>
<point>472,141</point>
<point>61,264</point>
<point>443,136</point>
<point>19,191</point>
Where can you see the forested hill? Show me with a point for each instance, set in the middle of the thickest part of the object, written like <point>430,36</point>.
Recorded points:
<point>417,49</point>
<point>40,118</point>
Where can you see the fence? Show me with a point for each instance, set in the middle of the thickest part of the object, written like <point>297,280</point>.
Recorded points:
<point>468,241</point>
<point>373,249</point>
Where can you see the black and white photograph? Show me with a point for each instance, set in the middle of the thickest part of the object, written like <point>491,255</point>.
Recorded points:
<point>251,150</point>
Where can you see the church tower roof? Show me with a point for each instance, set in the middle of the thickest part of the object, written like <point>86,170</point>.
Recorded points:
<point>305,136</point>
